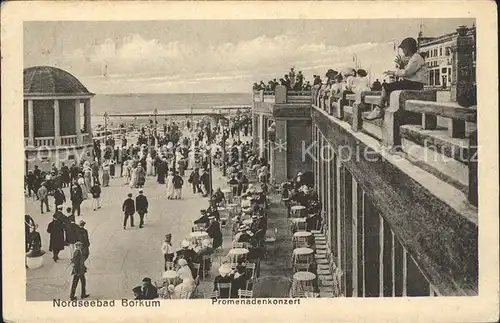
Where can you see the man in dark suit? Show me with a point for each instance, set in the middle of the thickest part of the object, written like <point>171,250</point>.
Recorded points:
<point>214,232</point>
<point>240,280</point>
<point>128,209</point>
<point>203,219</point>
<point>212,209</point>
<point>76,196</point>
<point>78,272</point>
<point>141,205</point>
<point>83,237</point>
<point>148,290</point>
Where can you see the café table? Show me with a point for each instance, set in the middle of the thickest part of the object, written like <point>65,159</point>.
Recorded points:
<point>297,211</point>
<point>198,236</point>
<point>236,255</point>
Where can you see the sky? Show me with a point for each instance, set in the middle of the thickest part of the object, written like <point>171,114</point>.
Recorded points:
<point>212,56</point>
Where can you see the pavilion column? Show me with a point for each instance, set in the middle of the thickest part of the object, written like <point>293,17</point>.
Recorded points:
<point>262,128</point>
<point>57,131</point>
<point>31,124</point>
<point>78,131</point>
<point>87,116</point>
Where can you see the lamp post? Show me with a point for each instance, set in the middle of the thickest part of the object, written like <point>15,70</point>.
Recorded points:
<point>156,121</point>
<point>105,127</point>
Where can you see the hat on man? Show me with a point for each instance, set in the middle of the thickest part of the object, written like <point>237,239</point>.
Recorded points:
<point>129,194</point>
<point>59,207</point>
<point>185,244</point>
<point>81,223</point>
<point>242,227</point>
<point>78,243</point>
<point>137,289</point>
<point>141,191</point>
<point>146,280</point>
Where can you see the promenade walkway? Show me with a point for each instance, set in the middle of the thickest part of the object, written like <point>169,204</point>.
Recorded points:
<point>119,259</point>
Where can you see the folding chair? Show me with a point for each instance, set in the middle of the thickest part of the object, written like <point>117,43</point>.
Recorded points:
<point>301,242</point>
<point>252,268</point>
<point>311,295</point>
<point>300,267</point>
<point>221,286</point>
<point>301,226</point>
<point>206,260</point>
<point>211,295</point>
<point>272,240</point>
<point>197,228</point>
<point>197,278</point>
<point>245,293</point>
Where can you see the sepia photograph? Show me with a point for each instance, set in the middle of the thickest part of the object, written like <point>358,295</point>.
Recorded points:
<point>250,161</point>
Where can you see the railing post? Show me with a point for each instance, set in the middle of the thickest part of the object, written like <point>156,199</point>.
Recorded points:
<point>31,125</point>
<point>462,83</point>
<point>473,185</point>
<point>57,132</point>
<point>395,116</point>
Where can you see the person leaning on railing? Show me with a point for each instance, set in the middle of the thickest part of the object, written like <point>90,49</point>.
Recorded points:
<point>414,77</point>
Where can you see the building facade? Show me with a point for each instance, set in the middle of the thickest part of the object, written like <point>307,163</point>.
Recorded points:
<point>57,122</point>
<point>438,51</point>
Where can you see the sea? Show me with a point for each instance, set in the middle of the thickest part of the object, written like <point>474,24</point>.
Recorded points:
<point>148,102</point>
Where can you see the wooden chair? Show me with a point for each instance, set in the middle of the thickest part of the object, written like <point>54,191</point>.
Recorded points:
<point>301,226</point>
<point>311,295</point>
<point>251,267</point>
<point>301,242</point>
<point>206,260</point>
<point>211,295</point>
<point>301,267</point>
<point>197,278</point>
<point>196,228</point>
<point>245,293</point>
<point>221,286</point>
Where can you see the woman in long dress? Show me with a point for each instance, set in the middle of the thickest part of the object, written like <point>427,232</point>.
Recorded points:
<point>149,165</point>
<point>88,181</point>
<point>81,182</point>
<point>133,177</point>
<point>105,174</point>
<point>170,185</point>
<point>141,176</point>
<point>126,171</point>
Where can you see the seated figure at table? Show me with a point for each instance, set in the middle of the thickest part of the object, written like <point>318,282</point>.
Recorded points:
<point>184,290</point>
<point>218,196</point>
<point>148,290</point>
<point>206,250</point>
<point>243,235</point>
<point>137,290</point>
<point>203,219</point>
<point>242,182</point>
<point>212,209</point>
<point>240,280</point>
<point>188,254</point>
<point>184,272</point>
<point>225,276</point>
<point>214,232</point>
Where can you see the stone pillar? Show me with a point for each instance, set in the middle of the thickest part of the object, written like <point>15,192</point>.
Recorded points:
<point>280,94</point>
<point>278,150</point>
<point>88,125</point>
<point>255,131</point>
<point>31,124</point>
<point>462,90</point>
<point>78,132</point>
<point>57,125</point>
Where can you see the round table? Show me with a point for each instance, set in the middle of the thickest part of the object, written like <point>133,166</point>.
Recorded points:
<point>232,208</point>
<point>237,254</point>
<point>302,234</point>
<point>198,236</point>
<point>248,221</point>
<point>302,238</point>
<point>297,210</point>
<point>302,251</point>
<point>169,276</point>
<point>302,281</point>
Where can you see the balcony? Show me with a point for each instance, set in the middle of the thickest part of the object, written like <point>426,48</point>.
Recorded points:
<point>64,141</point>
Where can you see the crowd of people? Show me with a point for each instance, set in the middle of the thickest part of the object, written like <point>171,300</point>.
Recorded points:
<point>411,74</point>
<point>292,81</point>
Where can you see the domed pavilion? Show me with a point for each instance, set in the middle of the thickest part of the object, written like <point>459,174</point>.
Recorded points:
<point>57,124</point>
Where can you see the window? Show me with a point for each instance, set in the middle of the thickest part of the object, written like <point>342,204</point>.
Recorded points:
<point>440,51</point>
<point>431,77</point>
<point>437,77</point>
<point>443,70</point>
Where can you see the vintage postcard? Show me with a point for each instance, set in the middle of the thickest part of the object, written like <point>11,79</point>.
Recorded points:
<point>250,161</point>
